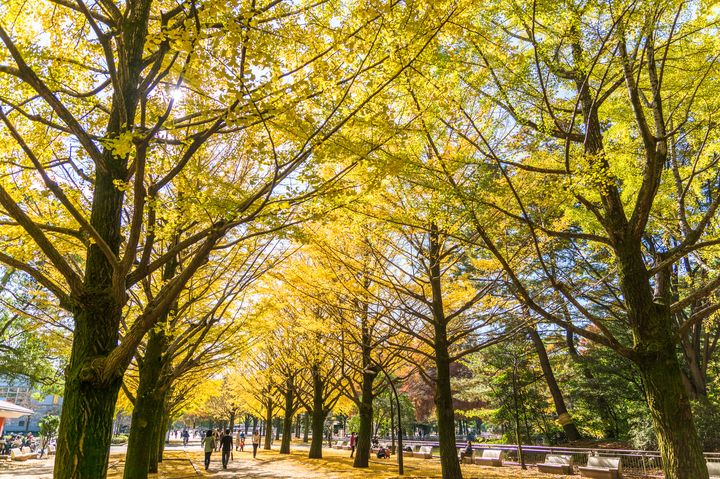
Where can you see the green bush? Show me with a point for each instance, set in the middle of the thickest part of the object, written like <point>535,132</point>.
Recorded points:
<point>119,439</point>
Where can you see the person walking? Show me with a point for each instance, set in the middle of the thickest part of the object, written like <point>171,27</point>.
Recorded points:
<point>226,445</point>
<point>185,437</point>
<point>353,443</point>
<point>209,444</point>
<point>255,442</point>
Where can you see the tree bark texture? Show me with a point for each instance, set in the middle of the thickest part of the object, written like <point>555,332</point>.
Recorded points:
<point>449,461</point>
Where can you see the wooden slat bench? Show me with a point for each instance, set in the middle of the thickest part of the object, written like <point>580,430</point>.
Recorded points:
<point>557,464</point>
<point>490,457</point>
<point>599,467</point>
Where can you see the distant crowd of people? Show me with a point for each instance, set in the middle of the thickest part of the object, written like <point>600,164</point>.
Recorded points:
<point>17,441</point>
<point>216,441</point>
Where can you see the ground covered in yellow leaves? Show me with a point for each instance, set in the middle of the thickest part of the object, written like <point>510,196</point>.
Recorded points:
<point>181,464</point>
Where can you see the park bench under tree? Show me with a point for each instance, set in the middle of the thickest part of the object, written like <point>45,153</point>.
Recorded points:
<point>602,468</point>
<point>415,451</point>
<point>17,454</point>
<point>557,464</point>
<point>424,452</point>
<point>490,457</point>
<point>339,444</point>
<point>714,470</point>
<point>468,458</point>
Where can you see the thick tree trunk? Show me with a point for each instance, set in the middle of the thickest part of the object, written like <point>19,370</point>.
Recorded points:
<point>316,444</point>
<point>565,419</point>
<point>85,428</point>
<point>655,354</point>
<point>449,461</point>
<point>288,418</point>
<point>365,408</point>
<point>318,414</point>
<point>268,425</point>
<point>89,402</point>
<point>147,416</point>
<point>669,404</point>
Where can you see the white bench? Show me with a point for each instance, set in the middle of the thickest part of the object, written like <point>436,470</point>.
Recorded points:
<point>602,468</point>
<point>339,444</point>
<point>415,450</point>
<point>424,452</point>
<point>557,464</point>
<point>490,457</point>
<point>464,457</point>
<point>714,470</point>
<point>17,454</point>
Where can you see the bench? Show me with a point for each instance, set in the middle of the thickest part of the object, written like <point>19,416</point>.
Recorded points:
<point>714,470</point>
<point>339,444</point>
<point>490,457</point>
<point>602,468</point>
<point>463,457</point>
<point>424,452</point>
<point>557,464</point>
<point>17,454</point>
<point>414,451</point>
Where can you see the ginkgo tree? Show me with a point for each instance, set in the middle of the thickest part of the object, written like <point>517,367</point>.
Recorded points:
<point>114,112</point>
<point>595,122</point>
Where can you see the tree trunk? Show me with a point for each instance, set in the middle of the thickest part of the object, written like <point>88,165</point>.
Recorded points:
<point>83,444</point>
<point>231,422</point>
<point>268,425</point>
<point>365,408</point>
<point>680,447</point>
<point>147,416</point>
<point>306,426</point>
<point>564,418</point>
<point>449,461</point>
<point>86,419</point>
<point>157,458</point>
<point>318,421</point>
<point>288,418</point>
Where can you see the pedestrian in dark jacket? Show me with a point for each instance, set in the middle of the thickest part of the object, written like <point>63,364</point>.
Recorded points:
<point>226,443</point>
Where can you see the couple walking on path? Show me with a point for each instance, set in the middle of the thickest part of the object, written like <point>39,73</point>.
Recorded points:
<point>226,445</point>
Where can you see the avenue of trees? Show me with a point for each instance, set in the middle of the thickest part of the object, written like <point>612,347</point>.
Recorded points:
<point>267,210</point>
